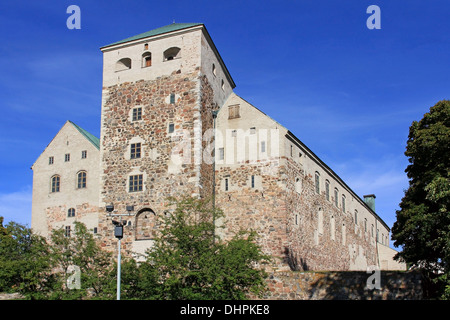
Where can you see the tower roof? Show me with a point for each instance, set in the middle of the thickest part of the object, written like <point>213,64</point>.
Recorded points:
<point>157,31</point>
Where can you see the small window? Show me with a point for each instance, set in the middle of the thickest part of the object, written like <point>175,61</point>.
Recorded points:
<point>327,190</point>
<point>135,183</point>
<point>252,130</point>
<point>123,64</point>
<point>356,217</point>
<point>84,154</point>
<point>67,232</point>
<point>67,157</point>
<point>253,181</point>
<point>214,69</point>
<point>94,230</point>
<point>56,183</point>
<point>365,224</point>
<point>146,59</point>
<point>233,112</point>
<point>223,85</point>
<point>234,133</point>
<point>221,153</point>
<point>336,196</point>
<point>317,182</point>
<point>343,203</point>
<point>71,212</point>
<point>263,146</point>
<point>226,184</point>
<point>81,177</point>
<point>172,98</point>
<point>292,150</point>
<point>137,114</point>
<point>171,127</point>
<point>171,54</point>
<point>135,150</point>
<point>51,160</point>
<point>298,185</point>
<point>146,46</point>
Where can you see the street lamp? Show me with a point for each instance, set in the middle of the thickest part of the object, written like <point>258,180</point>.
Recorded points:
<point>118,233</point>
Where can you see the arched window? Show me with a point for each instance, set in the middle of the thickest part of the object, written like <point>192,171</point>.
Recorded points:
<point>343,203</point>
<point>146,59</point>
<point>81,178</point>
<point>172,53</point>
<point>123,64</point>
<point>55,183</point>
<point>336,197</point>
<point>327,190</point>
<point>356,217</point>
<point>317,182</point>
<point>71,212</point>
<point>146,224</point>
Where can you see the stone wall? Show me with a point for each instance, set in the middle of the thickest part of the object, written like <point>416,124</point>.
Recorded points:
<point>350,285</point>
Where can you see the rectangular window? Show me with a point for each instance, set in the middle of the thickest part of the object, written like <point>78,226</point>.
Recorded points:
<point>327,190</point>
<point>172,98</point>
<point>51,160</point>
<point>67,231</point>
<point>233,112</point>
<point>67,157</point>
<point>221,153</point>
<point>135,150</point>
<point>135,183</point>
<point>343,203</point>
<point>263,146</point>
<point>137,114</point>
<point>171,127</point>
<point>234,133</point>
<point>253,181</point>
<point>226,184</point>
<point>252,130</point>
<point>317,183</point>
<point>84,154</point>
<point>336,195</point>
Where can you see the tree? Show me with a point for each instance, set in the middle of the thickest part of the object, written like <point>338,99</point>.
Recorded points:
<point>96,267</point>
<point>25,266</point>
<point>423,221</point>
<point>188,260</point>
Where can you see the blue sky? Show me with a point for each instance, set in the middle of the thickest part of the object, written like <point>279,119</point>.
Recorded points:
<point>349,93</point>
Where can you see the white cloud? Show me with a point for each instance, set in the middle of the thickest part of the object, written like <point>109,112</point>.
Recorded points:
<point>16,206</point>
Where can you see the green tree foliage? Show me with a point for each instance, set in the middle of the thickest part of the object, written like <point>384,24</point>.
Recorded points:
<point>95,265</point>
<point>188,261</point>
<point>423,221</point>
<point>25,266</point>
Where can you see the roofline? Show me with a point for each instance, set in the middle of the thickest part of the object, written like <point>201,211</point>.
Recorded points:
<point>76,127</point>
<point>186,29</point>
<point>315,158</point>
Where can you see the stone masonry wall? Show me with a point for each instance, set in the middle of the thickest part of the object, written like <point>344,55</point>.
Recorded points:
<point>321,237</point>
<point>170,162</point>
<point>350,285</point>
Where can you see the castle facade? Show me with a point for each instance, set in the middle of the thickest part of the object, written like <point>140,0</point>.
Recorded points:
<point>171,125</point>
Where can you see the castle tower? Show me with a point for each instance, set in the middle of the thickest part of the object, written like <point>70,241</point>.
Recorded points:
<point>160,89</point>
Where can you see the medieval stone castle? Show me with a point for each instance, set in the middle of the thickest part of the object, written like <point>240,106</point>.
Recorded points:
<point>171,125</point>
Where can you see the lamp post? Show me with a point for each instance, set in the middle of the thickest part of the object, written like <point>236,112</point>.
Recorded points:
<point>118,233</point>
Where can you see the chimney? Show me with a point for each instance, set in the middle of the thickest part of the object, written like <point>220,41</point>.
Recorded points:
<point>369,199</point>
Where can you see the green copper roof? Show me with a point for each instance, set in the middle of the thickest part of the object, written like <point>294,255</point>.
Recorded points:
<point>93,139</point>
<point>158,31</point>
